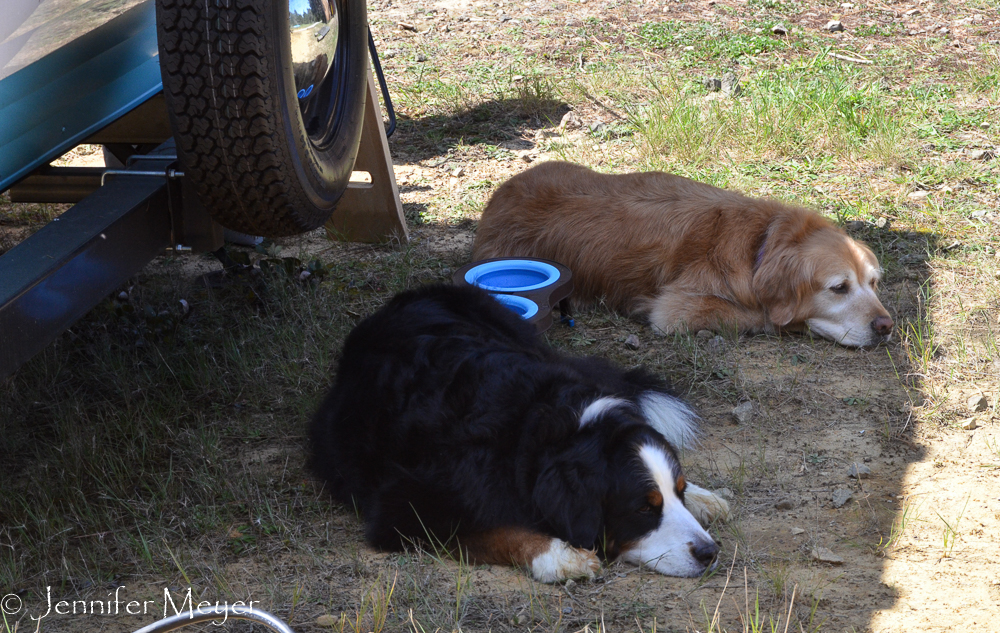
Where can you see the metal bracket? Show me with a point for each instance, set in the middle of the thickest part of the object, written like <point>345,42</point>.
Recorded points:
<point>168,173</point>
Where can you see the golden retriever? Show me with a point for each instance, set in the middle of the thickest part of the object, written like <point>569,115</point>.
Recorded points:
<point>687,254</point>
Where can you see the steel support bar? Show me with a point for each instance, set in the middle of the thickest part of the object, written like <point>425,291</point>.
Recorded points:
<point>57,184</point>
<point>55,276</point>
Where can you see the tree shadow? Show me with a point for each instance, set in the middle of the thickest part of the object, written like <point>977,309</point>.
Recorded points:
<point>495,122</point>
<point>869,403</point>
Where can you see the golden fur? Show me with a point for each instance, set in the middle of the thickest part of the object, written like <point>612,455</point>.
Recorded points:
<point>687,254</point>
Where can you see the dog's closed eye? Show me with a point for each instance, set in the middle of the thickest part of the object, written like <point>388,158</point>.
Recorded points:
<point>654,503</point>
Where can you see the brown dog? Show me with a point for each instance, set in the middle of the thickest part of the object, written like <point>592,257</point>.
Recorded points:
<point>687,254</point>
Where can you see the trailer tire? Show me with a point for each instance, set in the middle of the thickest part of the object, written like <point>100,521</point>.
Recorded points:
<point>257,165</point>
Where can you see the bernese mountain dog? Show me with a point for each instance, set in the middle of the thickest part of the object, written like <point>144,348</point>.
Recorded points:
<point>451,421</point>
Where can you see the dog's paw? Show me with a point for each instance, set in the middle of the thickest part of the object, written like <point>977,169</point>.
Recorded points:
<point>705,505</point>
<point>562,561</point>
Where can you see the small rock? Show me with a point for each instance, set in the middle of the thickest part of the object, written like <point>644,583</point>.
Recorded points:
<point>520,619</point>
<point>834,26</point>
<point>570,585</point>
<point>123,296</point>
<point>406,26</point>
<point>633,342</point>
<point>597,127</point>
<point>713,84</point>
<point>716,343</point>
<point>975,215</point>
<point>978,403</point>
<point>855,225</point>
<point>784,504</point>
<point>570,120</point>
<point>859,471</point>
<point>969,425</point>
<point>458,171</point>
<point>918,195</point>
<point>912,12</point>
<point>981,154</point>
<point>883,223</point>
<point>327,621</point>
<point>185,306</point>
<point>526,158</point>
<point>421,57</point>
<point>705,334</point>
<point>779,29</point>
<point>796,531</point>
<point>743,412</point>
<point>840,497</point>
<point>731,85</point>
<point>824,555</point>
<point>725,493</point>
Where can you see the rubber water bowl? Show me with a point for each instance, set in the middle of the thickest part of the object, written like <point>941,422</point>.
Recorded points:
<point>522,307</point>
<point>512,275</point>
<point>528,287</point>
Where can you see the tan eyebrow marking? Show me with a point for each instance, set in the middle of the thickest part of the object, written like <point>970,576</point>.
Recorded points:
<point>654,498</point>
<point>681,484</point>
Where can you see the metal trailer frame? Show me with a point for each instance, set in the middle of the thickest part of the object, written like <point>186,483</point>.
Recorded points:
<point>105,88</point>
<point>67,267</point>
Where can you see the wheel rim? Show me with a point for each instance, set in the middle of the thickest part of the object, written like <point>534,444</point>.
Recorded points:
<point>318,65</point>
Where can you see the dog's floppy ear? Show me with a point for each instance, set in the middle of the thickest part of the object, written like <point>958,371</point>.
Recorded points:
<point>782,282</point>
<point>569,494</point>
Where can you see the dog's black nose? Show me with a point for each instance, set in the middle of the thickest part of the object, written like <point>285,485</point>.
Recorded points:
<point>704,552</point>
<point>882,325</point>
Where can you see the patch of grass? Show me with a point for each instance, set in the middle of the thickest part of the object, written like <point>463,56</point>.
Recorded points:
<point>705,41</point>
<point>890,29</point>
<point>909,514</point>
<point>918,338</point>
<point>372,613</point>
<point>786,115</point>
<point>776,6</point>
<point>950,533</point>
<point>994,446</point>
<point>142,429</point>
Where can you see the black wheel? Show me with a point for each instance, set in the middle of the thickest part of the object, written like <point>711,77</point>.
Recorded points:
<point>269,140</point>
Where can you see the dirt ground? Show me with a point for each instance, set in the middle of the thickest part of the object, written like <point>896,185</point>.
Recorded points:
<point>915,546</point>
<point>910,544</point>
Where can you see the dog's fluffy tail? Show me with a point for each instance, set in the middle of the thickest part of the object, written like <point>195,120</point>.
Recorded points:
<point>671,417</point>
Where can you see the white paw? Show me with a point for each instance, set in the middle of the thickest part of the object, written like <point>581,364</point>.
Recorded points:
<point>562,561</point>
<point>705,505</point>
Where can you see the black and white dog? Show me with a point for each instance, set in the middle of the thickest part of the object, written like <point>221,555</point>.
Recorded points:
<point>451,419</point>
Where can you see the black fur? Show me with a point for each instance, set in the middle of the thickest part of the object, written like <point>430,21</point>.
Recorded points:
<point>451,416</point>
